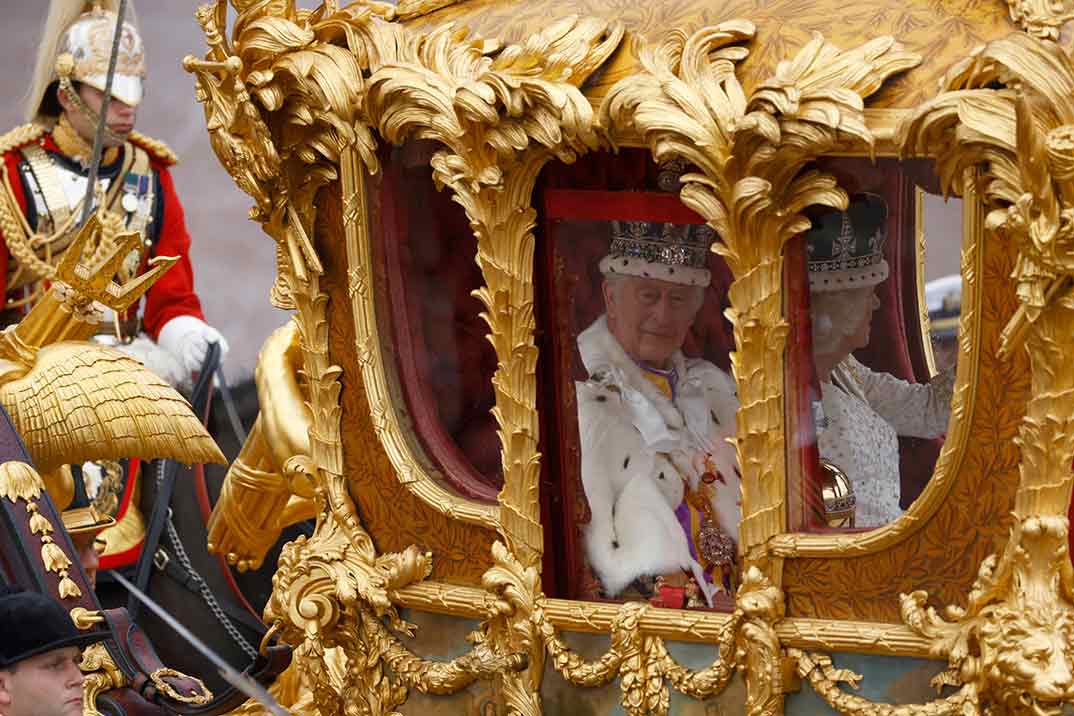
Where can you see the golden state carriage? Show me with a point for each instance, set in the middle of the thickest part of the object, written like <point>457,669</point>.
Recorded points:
<point>436,171</point>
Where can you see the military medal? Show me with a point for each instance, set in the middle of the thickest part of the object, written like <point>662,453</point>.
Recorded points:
<point>129,203</point>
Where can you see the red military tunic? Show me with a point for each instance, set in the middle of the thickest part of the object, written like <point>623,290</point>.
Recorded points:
<point>173,294</point>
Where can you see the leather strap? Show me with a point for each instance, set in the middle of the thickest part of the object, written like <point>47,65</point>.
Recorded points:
<point>183,578</point>
<point>166,485</point>
<point>57,209</point>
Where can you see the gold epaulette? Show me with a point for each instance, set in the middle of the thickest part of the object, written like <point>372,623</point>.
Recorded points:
<point>156,148</point>
<point>19,136</point>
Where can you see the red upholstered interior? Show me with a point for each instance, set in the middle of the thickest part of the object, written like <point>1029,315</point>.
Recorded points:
<point>444,361</point>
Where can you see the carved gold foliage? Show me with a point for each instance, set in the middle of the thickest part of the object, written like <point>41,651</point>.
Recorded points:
<point>825,678</point>
<point>1041,18</point>
<point>750,153</point>
<point>845,577</point>
<point>102,674</point>
<point>1018,136</point>
<point>500,114</point>
<point>1008,113</point>
<point>294,80</point>
<point>268,486</point>
<point>285,103</point>
<point>687,103</point>
<point>1010,649</point>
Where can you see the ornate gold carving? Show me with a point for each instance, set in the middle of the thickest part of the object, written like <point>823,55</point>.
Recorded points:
<point>267,487</point>
<point>243,143</point>
<point>102,674</point>
<point>500,116</point>
<point>594,618</point>
<point>978,466</point>
<point>825,679</point>
<point>1040,17</point>
<point>942,33</point>
<point>956,442</point>
<point>1012,645</point>
<point>757,645</point>
<point>408,9</point>
<point>390,422</point>
<point>19,481</point>
<point>331,591</point>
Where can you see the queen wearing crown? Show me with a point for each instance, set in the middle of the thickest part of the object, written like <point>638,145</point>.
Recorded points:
<point>863,412</point>
<point>657,470</point>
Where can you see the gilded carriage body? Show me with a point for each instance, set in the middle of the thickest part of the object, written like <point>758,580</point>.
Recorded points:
<point>441,180</point>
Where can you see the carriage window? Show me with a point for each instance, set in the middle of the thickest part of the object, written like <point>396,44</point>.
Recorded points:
<point>867,408</point>
<point>444,362</point>
<point>942,283</point>
<point>643,398</point>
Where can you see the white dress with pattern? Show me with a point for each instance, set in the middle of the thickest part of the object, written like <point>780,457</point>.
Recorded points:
<point>864,413</point>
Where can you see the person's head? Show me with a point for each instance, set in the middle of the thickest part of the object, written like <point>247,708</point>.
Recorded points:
<point>39,656</point>
<point>943,299</point>
<point>655,276</point>
<point>120,119</point>
<point>846,264</point>
<point>649,317</point>
<point>48,684</point>
<point>72,67</point>
<point>842,320</point>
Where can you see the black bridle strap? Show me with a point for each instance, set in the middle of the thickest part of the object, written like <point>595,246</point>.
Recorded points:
<point>199,401</point>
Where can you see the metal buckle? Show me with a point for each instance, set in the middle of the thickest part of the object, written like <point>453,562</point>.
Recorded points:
<point>161,559</point>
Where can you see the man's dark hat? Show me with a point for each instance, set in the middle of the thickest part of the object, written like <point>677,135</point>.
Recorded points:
<point>33,623</point>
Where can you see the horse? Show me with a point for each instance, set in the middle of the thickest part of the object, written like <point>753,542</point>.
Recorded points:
<point>218,604</point>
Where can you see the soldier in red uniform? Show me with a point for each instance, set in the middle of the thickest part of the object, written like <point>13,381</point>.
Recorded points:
<point>42,191</point>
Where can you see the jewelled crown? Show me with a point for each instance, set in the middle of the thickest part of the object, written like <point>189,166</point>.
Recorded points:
<point>846,248</point>
<point>677,253</point>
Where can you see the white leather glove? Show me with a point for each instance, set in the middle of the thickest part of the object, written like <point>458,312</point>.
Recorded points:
<point>188,338</point>
<point>156,359</point>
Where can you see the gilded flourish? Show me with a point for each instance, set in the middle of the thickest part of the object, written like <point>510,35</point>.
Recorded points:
<point>750,186</point>
<point>1007,112</point>
<point>500,115</point>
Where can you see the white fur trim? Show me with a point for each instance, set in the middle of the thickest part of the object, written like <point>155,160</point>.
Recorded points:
<point>637,445</point>
<point>634,266</point>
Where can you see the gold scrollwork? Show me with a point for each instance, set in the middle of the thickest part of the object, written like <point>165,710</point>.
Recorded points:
<point>102,674</point>
<point>750,152</point>
<point>1006,114</point>
<point>198,696</point>
<point>500,115</point>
